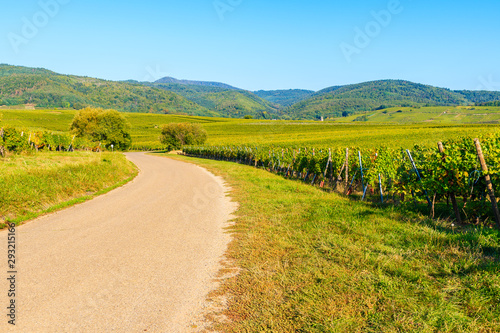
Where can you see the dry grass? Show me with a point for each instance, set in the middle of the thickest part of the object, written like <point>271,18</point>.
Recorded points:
<point>33,184</point>
<point>317,262</point>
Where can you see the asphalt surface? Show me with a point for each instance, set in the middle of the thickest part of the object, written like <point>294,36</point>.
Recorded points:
<point>141,258</point>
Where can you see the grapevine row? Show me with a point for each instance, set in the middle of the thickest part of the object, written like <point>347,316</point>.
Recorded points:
<point>420,174</point>
<point>16,141</point>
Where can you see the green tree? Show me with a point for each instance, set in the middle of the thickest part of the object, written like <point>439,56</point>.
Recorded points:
<point>108,127</point>
<point>174,136</point>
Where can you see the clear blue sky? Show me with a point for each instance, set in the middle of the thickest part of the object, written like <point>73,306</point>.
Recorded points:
<point>260,44</point>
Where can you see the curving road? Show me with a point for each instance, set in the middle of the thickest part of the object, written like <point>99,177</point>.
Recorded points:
<point>141,258</point>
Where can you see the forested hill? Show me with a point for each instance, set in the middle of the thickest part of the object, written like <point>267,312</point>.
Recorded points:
<point>43,88</point>
<point>46,89</point>
<point>343,100</point>
<point>169,79</point>
<point>480,96</point>
<point>226,102</point>
<point>284,97</point>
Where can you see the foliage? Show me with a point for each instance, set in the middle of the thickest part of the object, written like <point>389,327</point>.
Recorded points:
<point>432,115</point>
<point>480,96</point>
<point>107,127</point>
<point>14,140</point>
<point>174,136</point>
<point>495,103</point>
<point>284,97</point>
<point>21,85</point>
<point>331,102</point>
<point>201,84</point>
<point>309,261</point>
<point>457,171</point>
<point>146,129</point>
<point>222,102</point>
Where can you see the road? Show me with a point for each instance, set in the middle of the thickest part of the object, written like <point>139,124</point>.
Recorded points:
<point>141,258</point>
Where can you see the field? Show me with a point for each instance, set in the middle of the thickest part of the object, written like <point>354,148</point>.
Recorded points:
<point>222,131</point>
<point>40,183</point>
<point>308,260</point>
<point>311,261</point>
<point>431,115</point>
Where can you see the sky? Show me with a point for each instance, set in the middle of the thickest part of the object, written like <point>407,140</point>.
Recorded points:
<point>259,44</point>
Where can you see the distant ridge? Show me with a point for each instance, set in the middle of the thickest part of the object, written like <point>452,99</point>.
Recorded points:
<point>346,100</point>
<point>284,97</point>
<point>169,79</point>
<point>47,89</point>
<point>22,86</point>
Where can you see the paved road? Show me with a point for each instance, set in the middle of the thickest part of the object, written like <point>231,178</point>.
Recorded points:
<point>141,258</point>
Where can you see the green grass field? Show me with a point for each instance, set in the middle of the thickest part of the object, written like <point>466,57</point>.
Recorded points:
<point>222,131</point>
<point>40,183</point>
<point>311,261</point>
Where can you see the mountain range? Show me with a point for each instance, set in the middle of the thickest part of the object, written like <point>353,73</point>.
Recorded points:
<point>46,89</point>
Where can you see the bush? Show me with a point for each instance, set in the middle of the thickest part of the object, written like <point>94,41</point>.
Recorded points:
<point>14,140</point>
<point>107,127</point>
<point>174,136</point>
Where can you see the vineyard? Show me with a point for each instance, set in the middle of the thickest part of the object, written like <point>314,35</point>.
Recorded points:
<point>450,174</point>
<point>16,141</point>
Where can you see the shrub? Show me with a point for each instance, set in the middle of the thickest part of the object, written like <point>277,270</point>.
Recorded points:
<point>14,140</point>
<point>174,136</point>
<point>108,127</point>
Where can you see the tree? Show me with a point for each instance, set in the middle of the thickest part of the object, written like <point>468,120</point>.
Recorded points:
<point>174,136</point>
<point>248,117</point>
<point>107,127</point>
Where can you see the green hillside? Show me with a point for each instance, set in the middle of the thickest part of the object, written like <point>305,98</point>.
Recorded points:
<point>332,102</point>
<point>169,80</point>
<point>284,97</point>
<point>225,102</point>
<point>46,89</point>
<point>480,96</point>
<point>430,115</point>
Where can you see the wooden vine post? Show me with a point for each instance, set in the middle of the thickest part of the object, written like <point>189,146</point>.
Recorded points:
<point>489,185</point>
<point>346,167</point>
<point>451,194</point>
<point>2,149</point>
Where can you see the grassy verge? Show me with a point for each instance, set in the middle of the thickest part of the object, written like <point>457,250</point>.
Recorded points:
<point>317,262</point>
<point>41,183</point>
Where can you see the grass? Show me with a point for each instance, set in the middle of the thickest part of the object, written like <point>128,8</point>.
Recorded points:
<point>36,184</point>
<point>312,261</point>
<point>432,115</point>
<point>222,131</point>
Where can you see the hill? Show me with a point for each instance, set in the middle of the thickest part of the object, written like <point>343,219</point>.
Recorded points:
<point>169,79</point>
<point>429,115</point>
<point>284,97</point>
<point>480,96</point>
<point>334,101</point>
<point>43,88</point>
<point>225,102</point>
